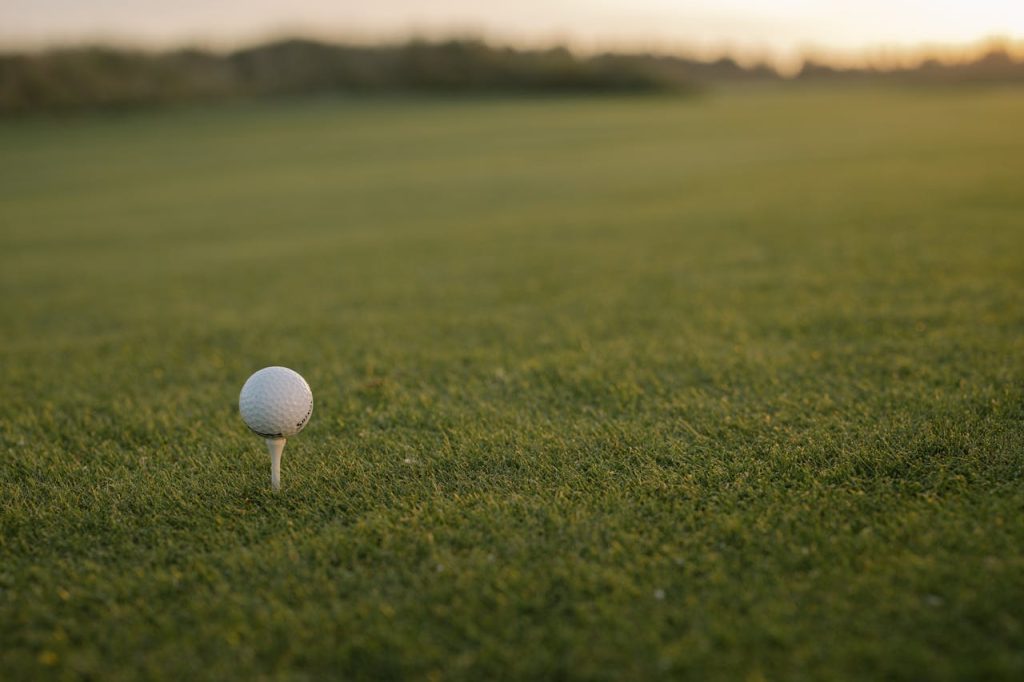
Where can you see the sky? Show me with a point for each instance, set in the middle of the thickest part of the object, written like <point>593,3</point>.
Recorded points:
<point>778,30</point>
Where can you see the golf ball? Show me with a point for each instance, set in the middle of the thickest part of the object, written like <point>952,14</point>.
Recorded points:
<point>276,402</point>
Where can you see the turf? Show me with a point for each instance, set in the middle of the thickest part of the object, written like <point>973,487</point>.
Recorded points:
<point>728,387</point>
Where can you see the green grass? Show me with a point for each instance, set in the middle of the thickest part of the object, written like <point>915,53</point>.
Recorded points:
<point>728,387</point>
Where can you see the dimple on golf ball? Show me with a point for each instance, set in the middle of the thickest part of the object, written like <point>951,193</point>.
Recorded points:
<point>276,402</point>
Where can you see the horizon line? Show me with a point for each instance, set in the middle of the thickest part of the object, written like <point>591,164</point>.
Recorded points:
<point>878,55</point>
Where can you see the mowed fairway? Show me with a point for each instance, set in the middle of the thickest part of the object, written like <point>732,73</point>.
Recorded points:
<point>725,387</point>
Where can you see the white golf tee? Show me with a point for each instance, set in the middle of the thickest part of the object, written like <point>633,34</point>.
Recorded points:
<point>275,446</point>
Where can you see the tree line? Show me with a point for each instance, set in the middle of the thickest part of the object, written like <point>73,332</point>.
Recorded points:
<point>103,77</point>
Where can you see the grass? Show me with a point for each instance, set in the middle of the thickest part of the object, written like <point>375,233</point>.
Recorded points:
<point>721,388</point>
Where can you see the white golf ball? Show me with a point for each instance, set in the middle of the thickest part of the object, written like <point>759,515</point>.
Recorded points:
<point>276,402</point>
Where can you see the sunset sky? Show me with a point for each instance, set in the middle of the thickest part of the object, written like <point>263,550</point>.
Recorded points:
<point>780,29</point>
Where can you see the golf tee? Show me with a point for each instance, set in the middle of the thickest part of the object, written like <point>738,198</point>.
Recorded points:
<point>275,446</point>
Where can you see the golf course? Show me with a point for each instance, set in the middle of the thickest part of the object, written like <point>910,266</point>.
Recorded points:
<point>724,386</point>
